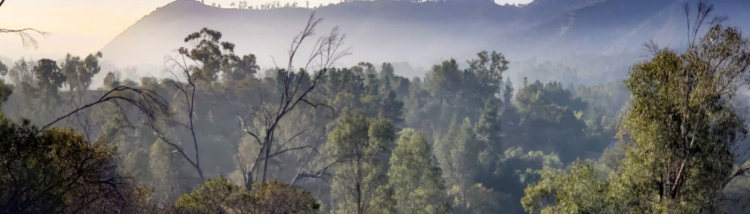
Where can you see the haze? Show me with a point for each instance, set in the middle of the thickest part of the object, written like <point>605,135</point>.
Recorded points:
<point>85,26</point>
<point>375,107</point>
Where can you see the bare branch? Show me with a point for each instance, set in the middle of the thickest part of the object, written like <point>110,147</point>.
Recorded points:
<point>326,49</point>
<point>148,102</point>
<point>25,35</point>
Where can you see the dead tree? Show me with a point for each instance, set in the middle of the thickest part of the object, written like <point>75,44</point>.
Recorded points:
<point>187,91</point>
<point>326,51</point>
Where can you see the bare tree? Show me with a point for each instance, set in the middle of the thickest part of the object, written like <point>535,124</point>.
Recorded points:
<point>326,51</point>
<point>187,91</point>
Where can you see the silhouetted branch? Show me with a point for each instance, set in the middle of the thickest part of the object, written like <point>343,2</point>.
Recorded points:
<point>26,38</point>
<point>327,51</point>
<point>147,102</point>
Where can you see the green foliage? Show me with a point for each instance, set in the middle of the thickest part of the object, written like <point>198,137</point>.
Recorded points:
<point>387,71</point>
<point>49,77</point>
<point>59,172</point>
<point>4,69</point>
<point>5,92</point>
<point>22,72</point>
<point>79,72</point>
<point>112,80</point>
<point>457,154</point>
<point>681,128</point>
<point>415,178</point>
<point>577,191</point>
<point>218,195</point>
<point>359,145</point>
<point>214,56</point>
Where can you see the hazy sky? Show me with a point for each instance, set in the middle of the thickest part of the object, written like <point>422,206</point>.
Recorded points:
<point>85,26</point>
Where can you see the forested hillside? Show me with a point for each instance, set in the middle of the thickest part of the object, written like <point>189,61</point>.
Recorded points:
<point>317,134</point>
<point>597,40</point>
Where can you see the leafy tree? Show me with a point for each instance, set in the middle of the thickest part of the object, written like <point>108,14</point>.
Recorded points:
<point>5,92</point>
<point>163,166</point>
<point>682,129</point>
<point>391,107</point>
<point>59,172</point>
<point>578,191</point>
<point>359,145</point>
<point>415,178</point>
<point>218,195</point>
<point>458,154</point>
<point>112,80</point>
<point>22,72</point>
<point>49,77</point>
<point>387,71</point>
<point>212,56</point>
<point>488,133</point>
<point>79,72</point>
<point>488,69</point>
<point>3,69</point>
<point>443,79</point>
<point>241,68</point>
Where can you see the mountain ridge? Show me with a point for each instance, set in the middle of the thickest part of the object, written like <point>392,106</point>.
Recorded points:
<point>426,33</point>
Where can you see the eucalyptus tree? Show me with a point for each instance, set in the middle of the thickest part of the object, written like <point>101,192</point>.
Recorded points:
<point>683,132</point>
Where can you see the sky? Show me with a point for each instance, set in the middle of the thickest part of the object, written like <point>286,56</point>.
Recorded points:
<point>81,27</point>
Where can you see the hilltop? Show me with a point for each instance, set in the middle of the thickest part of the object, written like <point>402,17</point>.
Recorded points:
<point>598,38</point>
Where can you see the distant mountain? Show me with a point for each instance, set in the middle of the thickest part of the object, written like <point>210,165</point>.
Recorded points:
<point>576,32</point>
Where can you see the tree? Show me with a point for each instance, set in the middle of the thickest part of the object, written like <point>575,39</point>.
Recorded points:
<point>240,69</point>
<point>49,77</point>
<point>488,68</point>
<point>578,191</point>
<point>358,144</point>
<point>3,69</point>
<point>414,177</point>
<point>22,72</point>
<point>457,154</point>
<point>217,196</point>
<point>293,91</point>
<point>79,72</point>
<point>390,106</point>
<point>208,57</point>
<point>488,133</point>
<point>112,80</point>
<point>211,56</point>
<point>443,79</point>
<point>5,92</point>
<point>682,128</point>
<point>387,71</point>
<point>59,172</point>
<point>508,94</point>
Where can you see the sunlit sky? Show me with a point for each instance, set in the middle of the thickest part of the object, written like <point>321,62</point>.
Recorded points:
<point>85,26</point>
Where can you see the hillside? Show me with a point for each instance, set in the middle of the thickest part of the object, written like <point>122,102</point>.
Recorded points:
<point>579,33</point>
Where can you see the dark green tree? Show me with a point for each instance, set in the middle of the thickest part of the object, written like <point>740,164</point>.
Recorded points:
<point>49,77</point>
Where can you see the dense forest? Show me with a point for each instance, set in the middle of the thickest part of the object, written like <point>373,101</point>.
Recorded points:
<point>224,135</point>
